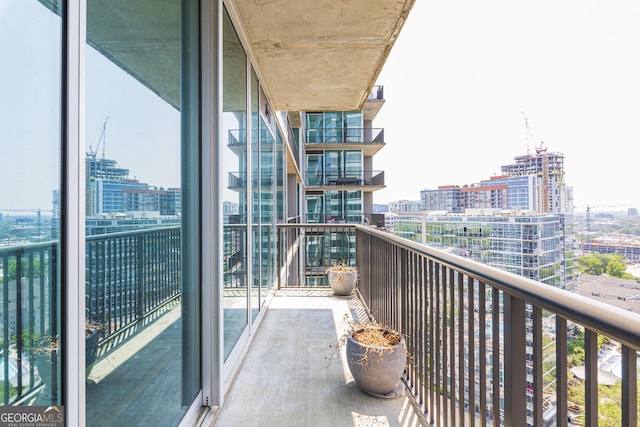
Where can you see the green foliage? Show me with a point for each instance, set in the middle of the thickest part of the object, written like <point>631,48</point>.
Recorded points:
<point>597,264</point>
<point>609,401</point>
<point>616,268</point>
<point>12,267</point>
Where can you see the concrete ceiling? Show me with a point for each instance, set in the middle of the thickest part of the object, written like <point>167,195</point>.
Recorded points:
<point>320,54</point>
<point>311,55</point>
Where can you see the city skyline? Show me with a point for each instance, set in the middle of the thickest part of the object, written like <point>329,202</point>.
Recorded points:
<point>567,67</point>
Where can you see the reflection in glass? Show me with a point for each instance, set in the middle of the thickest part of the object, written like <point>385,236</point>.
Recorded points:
<point>234,176</point>
<point>256,186</point>
<point>30,259</point>
<point>133,208</point>
<point>267,208</point>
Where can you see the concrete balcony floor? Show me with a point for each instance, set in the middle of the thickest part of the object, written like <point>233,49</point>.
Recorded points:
<point>291,376</point>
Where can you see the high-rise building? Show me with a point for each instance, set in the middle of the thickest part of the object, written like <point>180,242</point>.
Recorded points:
<point>339,179</point>
<point>405,206</point>
<point>339,146</point>
<point>552,193</point>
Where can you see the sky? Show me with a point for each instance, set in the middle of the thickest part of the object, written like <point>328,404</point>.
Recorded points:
<point>459,82</point>
<point>463,75</point>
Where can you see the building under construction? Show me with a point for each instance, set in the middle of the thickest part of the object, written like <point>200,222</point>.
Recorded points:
<point>552,193</point>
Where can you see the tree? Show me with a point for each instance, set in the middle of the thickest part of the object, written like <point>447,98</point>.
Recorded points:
<point>616,268</point>
<point>591,264</point>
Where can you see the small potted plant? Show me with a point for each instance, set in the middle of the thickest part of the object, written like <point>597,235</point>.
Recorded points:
<point>46,362</point>
<point>342,278</point>
<point>377,356</point>
<point>93,332</point>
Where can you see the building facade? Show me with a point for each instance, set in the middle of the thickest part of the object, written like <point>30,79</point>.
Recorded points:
<point>203,106</point>
<point>339,150</point>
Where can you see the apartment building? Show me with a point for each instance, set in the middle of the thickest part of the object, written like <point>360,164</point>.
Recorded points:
<point>339,151</point>
<point>197,101</point>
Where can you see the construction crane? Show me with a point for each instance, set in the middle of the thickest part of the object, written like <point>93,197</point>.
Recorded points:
<point>102,140</point>
<point>538,148</point>
<point>529,136</point>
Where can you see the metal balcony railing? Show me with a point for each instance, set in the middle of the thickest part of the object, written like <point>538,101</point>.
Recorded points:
<point>344,136</point>
<point>367,178</point>
<point>487,347</point>
<point>376,93</point>
<point>129,277</point>
<point>238,181</point>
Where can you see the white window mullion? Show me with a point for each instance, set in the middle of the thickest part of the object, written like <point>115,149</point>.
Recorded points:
<point>74,209</point>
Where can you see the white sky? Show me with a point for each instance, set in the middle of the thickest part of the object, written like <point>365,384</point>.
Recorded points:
<point>462,72</point>
<point>456,84</point>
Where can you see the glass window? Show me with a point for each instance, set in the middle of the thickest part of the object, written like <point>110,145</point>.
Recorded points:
<point>134,304</point>
<point>314,169</point>
<point>315,209</point>
<point>315,127</point>
<point>353,125</point>
<point>235,164</point>
<point>30,204</point>
<point>333,127</point>
<point>267,213</point>
<point>333,167</point>
<point>353,165</point>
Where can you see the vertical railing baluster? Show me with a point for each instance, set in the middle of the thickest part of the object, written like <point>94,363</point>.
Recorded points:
<point>421,362</point>
<point>445,349</point>
<point>461,347</point>
<point>495,356</point>
<point>438,345</point>
<point>5,327</point>
<point>482,354</point>
<point>591,380</point>
<point>432,349</point>
<point>514,362</point>
<point>538,357</point>
<point>561,371</point>
<point>629,387</point>
<point>452,345</point>
<point>19,324</point>
<point>471,339</point>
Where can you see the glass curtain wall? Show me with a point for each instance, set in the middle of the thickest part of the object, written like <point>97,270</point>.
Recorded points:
<point>234,175</point>
<point>267,210</point>
<point>256,192</point>
<point>315,167</point>
<point>334,127</point>
<point>134,282</point>
<point>30,203</point>
<point>253,191</point>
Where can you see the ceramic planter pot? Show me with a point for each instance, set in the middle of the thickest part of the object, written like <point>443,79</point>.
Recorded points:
<point>342,281</point>
<point>376,370</point>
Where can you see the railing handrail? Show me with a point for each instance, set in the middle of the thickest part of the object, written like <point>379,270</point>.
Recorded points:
<point>130,233</point>
<point>320,225</point>
<point>26,247</point>
<point>616,323</point>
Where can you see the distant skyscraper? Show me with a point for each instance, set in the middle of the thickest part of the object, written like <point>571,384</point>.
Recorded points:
<point>405,206</point>
<point>552,193</point>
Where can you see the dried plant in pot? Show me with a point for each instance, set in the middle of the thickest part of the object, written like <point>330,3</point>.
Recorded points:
<point>377,357</point>
<point>342,279</point>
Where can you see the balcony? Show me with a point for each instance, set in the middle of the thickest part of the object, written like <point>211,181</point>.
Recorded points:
<point>365,180</point>
<point>133,297</point>
<point>369,140</point>
<point>450,308</point>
